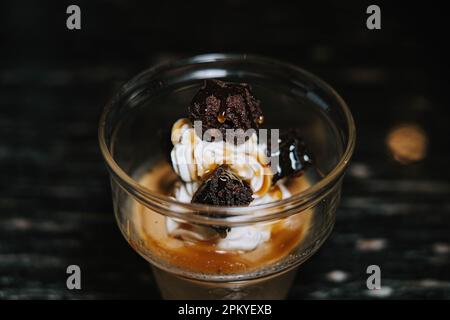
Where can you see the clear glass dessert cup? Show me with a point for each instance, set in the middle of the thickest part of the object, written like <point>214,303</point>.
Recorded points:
<point>131,143</point>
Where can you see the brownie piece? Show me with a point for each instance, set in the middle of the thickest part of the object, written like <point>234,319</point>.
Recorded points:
<point>293,155</point>
<point>223,188</point>
<point>224,105</point>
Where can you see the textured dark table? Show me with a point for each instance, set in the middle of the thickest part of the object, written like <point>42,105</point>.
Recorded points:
<point>55,201</point>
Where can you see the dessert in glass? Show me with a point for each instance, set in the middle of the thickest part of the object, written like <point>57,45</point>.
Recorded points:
<point>226,172</point>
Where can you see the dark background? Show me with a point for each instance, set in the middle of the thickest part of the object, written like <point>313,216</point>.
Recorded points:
<point>55,202</point>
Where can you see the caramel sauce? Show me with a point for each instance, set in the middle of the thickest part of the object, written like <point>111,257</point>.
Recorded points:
<point>221,117</point>
<point>175,137</point>
<point>211,168</point>
<point>260,120</point>
<point>192,138</point>
<point>267,183</point>
<point>205,257</point>
<point>193,167</point>
<point>276,192</point>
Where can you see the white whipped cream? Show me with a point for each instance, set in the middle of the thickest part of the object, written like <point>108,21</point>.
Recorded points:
<point>243,238</point>
<point>192,157</point>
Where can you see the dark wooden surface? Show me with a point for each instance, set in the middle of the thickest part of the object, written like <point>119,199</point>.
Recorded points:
<point>55,201</point>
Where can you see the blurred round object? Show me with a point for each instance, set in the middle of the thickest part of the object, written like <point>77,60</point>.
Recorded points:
<point>407,143</point>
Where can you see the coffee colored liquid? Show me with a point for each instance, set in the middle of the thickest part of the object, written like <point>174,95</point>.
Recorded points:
<point>205,257</point>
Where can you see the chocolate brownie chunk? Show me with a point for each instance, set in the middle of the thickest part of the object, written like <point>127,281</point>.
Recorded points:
<point>293,157</point>
<point>224,105</point>
<point>223,188</point>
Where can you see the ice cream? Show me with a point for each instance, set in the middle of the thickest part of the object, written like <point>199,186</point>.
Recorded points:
<point>215,169</point>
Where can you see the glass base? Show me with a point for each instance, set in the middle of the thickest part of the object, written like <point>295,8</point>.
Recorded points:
<point>272,288</point>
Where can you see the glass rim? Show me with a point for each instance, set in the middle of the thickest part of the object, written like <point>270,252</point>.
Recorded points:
<point>220,215</point>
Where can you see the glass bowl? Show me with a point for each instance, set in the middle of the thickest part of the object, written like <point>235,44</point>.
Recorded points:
<point>133,133</point>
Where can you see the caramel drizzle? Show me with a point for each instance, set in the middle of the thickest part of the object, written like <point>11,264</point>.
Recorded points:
<point>267,178</point>
<point>200,256</point>
<point>175,135</point>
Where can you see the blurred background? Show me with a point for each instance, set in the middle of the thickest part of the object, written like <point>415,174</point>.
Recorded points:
<point>55,201</point>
